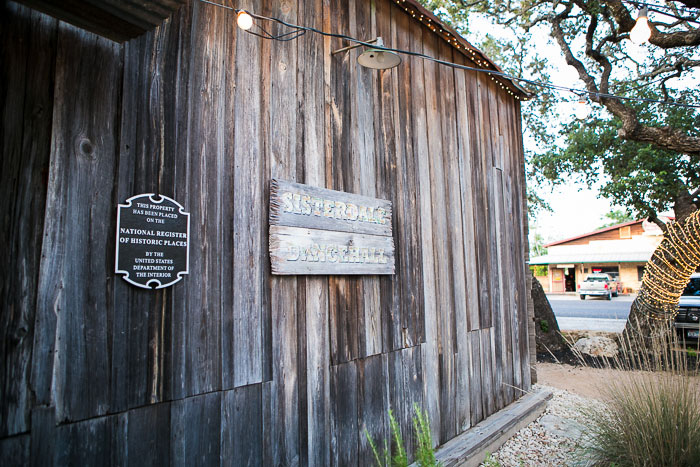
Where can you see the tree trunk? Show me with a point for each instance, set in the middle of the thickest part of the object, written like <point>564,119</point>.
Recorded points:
<point>547,336</point>
<point>666,275</point>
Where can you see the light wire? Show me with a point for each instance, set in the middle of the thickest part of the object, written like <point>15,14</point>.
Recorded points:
<point>501,74</point>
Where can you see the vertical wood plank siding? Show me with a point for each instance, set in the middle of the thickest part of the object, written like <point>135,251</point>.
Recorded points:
<point>233,365</point>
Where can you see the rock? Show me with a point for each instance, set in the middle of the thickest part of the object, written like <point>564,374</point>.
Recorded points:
<point>597,346</point>
<point>562,426</point>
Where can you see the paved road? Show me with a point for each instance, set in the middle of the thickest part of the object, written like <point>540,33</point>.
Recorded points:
<point>591,314</point>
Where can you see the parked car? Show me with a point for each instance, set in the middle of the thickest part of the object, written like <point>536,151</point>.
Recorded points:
<point>687,321</point>
<point>598,284</point>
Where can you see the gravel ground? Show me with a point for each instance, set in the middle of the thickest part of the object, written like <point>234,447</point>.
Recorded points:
<point>537,445</point>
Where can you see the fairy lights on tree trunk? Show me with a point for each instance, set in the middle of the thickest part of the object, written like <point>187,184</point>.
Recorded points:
<point>667,273</point>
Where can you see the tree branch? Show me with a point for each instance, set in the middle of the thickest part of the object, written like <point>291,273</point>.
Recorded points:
<point>662,137</point>
<point>660,39</point>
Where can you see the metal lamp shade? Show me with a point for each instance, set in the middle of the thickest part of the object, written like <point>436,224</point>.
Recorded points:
<point>378,59</point>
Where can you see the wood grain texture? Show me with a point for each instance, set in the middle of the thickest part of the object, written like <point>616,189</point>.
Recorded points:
<point>28,54</point>
<point>82,163</point>
<point>441,245</point>
<point>344,411</point>
<point>295,250</point>
<point>248,221</point>
<point>203,445</point>
<point>429,348</point>
<point>242,426</point>
<point>297,205</point>
<point>15,450</point>
<point>281,399</point>
<point>373,404</point>
<point>313,122</point>
<point>235,365</point>
<point>135,359</point>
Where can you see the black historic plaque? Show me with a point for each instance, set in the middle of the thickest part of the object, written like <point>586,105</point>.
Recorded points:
<point>152,241</point>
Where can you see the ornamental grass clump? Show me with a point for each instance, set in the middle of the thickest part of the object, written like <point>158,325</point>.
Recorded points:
<point>394,454</point>
<point>652,414</point>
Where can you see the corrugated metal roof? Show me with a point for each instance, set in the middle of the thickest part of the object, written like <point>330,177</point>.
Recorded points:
<point>606,257</point>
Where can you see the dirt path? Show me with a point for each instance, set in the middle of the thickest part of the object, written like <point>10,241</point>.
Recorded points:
<point>584,381</point>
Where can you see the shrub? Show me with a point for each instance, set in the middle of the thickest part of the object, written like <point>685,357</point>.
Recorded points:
<point>652,417</point>
<point>544,325</point>
<point>425,454</point>
<point>539,270</point>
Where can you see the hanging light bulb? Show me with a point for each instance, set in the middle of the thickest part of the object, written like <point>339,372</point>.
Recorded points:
<point>582,110</point>
<point>244,20</point>
<point>641,32</point>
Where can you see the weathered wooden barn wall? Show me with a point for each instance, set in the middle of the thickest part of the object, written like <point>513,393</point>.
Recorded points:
<point>232,365</point>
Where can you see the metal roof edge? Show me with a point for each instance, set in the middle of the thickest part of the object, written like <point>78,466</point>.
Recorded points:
<point>595,232</point>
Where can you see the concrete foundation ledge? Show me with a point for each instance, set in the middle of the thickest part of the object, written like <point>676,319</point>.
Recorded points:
<point>469,449</point>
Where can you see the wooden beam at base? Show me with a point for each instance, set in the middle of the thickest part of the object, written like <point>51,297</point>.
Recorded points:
<point>114,19</point>
<point>469,449</point>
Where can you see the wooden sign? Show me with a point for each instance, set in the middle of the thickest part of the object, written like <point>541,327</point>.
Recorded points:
<point>152,241</point>
<point>319,231</point>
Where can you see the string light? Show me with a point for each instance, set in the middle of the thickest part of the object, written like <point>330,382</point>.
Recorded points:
<point>641,32</point>
<point>466,48</point>
<point>582,110</point>
<point>669,269</point>
<point>244,20</point>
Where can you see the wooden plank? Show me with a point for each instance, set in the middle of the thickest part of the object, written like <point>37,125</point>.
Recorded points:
<point>344,413</point>
<point>204,343</point>
<point>363,19</point>
<point>295,250</point>
<point>242,426</point>
<point>506,242</point>
<point>82,164</point>
<point>297,205</point>
<point>470,448</point>
<point>406,390</point>
<point>475,374</point>
<point>280,337</point>
<point>200,446</point>
<point>15,450</point>
<point>408,220</point>
<point>386,134</point>
<point>146,436</point>
<point>312,121</point>
<point>477,137</point>
<point>467,317</point>
<point>178,65</point>
<point>42,439</point>
<point>441,246</point>
<point>281,396</point>
<point>429,349</point>
<point>454,214</point>
<point>413,391</point>
<point>526,315</point>
<point>344,305</point>
<point>85,443</point>
<point>466,150</point>
<point>26,101</point>
<point>373,405</point>
<point>347,324</point>
<point>488,391</point>
<point>248,221</point>
<point>141,318</point>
